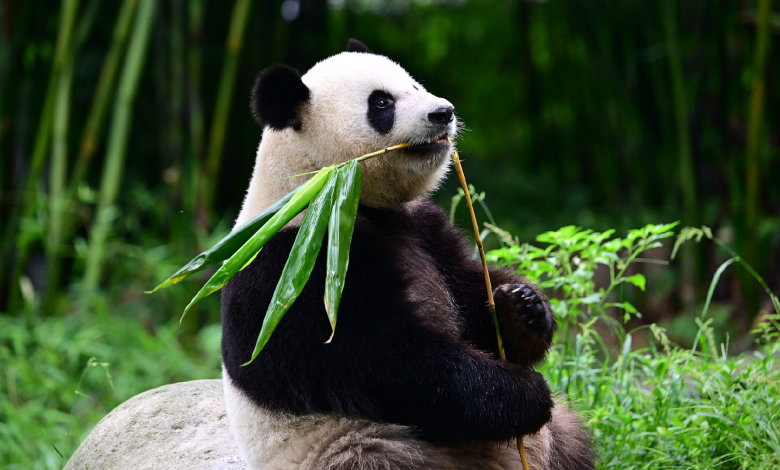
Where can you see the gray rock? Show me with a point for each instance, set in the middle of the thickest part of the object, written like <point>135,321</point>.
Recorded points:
<point>177,426</point>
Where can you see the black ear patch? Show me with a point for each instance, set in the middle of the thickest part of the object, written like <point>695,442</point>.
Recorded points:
<point>353,45</point>
<point>277,97</point>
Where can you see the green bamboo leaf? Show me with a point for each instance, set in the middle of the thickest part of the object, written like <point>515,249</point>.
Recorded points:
<point>249,249</point>
<point>341,226</point>
<point>300,262</point>
<point>226,247</point>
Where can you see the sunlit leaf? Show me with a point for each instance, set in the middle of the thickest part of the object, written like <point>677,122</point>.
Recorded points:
<point>342,224</point>
<point>637,280</point>
<point>300,263</point>
<point>249,249</point>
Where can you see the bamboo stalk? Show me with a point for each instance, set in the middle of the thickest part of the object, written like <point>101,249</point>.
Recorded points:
<point>117,143</point>
<point>687,183</point>
<point>10,86</point>
<point>64,39</point>
<point>176,89</point>
<point>222,107</point>
<point>60,199</point>
<point>95,120</point>
<point>57,175</point>
<point>195,113</point>
<point>5,66</point>
<point>97,111</point>
<point>687,179</point>
<point>752,157</point>
<point>491,303</point>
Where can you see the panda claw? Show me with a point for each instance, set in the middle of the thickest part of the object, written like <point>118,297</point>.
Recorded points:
<point>526,306</point>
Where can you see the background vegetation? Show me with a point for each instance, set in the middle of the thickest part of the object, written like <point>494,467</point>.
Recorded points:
<point>126,145</point>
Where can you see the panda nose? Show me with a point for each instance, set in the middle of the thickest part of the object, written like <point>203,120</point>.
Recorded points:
<point>441,115</point>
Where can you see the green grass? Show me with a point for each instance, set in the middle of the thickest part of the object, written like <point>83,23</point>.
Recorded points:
<point>670,407</point>
<point>42,365</point>
<point>656,407</point>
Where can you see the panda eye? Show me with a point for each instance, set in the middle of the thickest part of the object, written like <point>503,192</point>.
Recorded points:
<point>382,103</point>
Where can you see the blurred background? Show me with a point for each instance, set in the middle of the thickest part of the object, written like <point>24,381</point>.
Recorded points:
<point>126,145</point>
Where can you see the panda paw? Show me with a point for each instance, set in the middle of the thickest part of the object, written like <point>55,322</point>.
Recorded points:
<point>526,322</point>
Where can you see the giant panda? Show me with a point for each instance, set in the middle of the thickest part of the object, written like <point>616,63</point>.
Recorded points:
<point>412,377</point>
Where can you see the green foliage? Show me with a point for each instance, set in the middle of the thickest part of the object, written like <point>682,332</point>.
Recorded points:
<point>568,263</point>
<point>246,252</point>
<point>661,406</point>
<point>669,407</point>
<point>693,233</point>
<point>61,375</point>
<point>301,260</point>
<point>342,224</point>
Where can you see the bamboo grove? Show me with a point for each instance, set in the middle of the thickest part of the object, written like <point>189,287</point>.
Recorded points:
<point>579,113</point>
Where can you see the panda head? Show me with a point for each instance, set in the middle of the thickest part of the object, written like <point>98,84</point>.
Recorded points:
<point>348,105</point>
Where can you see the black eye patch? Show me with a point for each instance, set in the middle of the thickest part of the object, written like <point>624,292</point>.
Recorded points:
<point>381,111</point>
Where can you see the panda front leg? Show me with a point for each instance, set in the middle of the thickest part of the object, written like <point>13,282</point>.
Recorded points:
<point>526,322</point>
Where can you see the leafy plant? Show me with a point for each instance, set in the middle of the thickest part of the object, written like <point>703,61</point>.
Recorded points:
<point>661,406</point>
<point>568,263</point>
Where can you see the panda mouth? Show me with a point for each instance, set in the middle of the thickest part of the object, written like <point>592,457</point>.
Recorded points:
<point>435,146</point>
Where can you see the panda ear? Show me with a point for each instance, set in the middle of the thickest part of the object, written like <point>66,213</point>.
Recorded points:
<point>277,97</point>
<point>353,45</point>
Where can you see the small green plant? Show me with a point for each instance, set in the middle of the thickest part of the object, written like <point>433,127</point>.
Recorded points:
<point>661,406</point>
<point>568,263</point>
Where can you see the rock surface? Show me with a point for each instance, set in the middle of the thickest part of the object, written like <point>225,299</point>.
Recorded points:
<point>177,426</point>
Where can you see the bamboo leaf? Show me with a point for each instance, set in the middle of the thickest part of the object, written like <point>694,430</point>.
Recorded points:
<point>341,226</point>
<point>300,262</point>
<point>238,260</point>
<point>226,247</point>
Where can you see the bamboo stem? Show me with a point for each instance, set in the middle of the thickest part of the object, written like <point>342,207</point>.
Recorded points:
<point>97,111</point>
<point>222,108</point>
<point>196,123</point>
<point>42,138</point>
<point>687,177</point>
<point>379,152</point>
<point>358,159</point>
<point>60,196</point>
<point>753,159</point>
<point>491,303</point>
<point>117,143</point>
<point>58,172</point>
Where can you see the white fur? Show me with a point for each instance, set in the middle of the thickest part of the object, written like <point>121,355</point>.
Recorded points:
<point>273,440</point>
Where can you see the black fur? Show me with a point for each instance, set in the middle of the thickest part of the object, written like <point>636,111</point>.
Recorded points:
<point>381,111</point>
<point>353,45</point>
<point>526,322</point>
<point>405,350</point>
<point>277,97</point>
